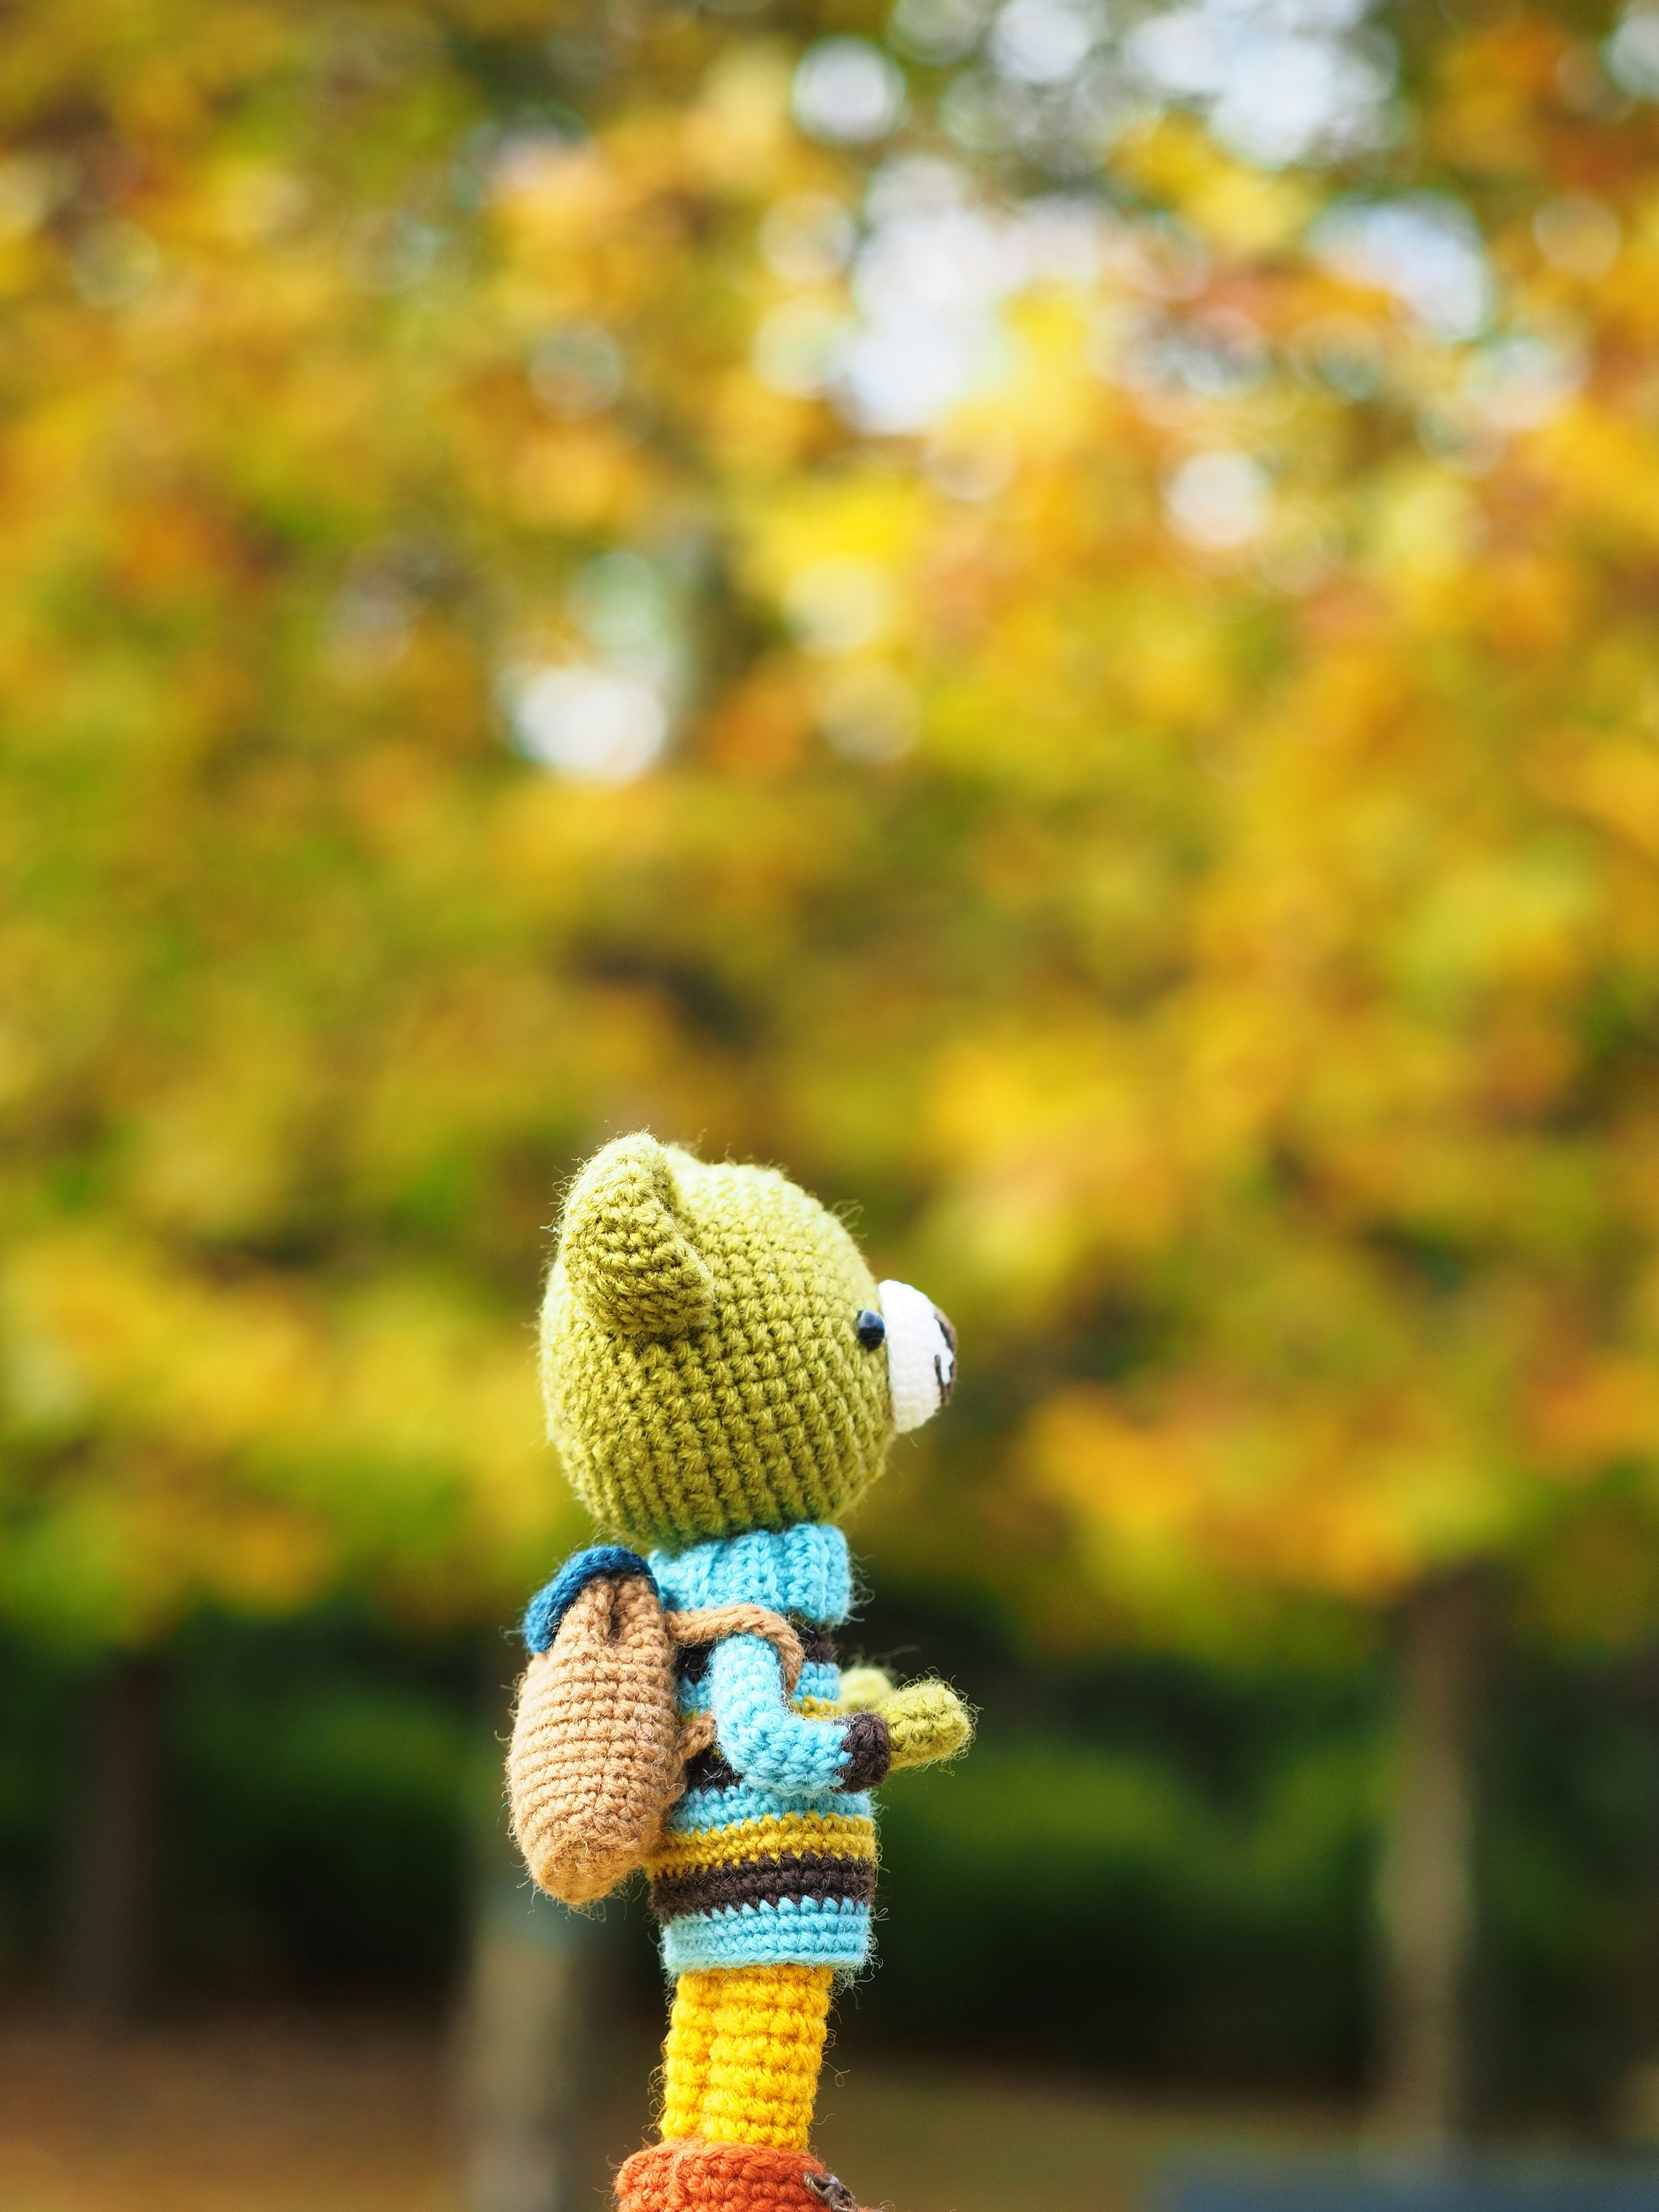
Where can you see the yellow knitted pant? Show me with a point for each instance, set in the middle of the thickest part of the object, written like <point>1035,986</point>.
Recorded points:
<point>741,2062</point>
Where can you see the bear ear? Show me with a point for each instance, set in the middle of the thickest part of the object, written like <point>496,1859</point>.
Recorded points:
<point>626,1246</point>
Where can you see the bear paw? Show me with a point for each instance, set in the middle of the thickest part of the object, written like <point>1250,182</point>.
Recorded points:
<point>926,1722</point>
<point>864,1689</point>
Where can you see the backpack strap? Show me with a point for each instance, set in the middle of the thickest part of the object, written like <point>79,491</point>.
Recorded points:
<point>554,1600</point>
<point>707,1625</point>
<point>696,1734</point>
<point>712,1624</point>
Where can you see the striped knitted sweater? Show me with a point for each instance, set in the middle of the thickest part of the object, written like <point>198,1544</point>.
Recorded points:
<point>770,1857</point>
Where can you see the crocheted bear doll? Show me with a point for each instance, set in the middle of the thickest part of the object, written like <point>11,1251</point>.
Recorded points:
<point>723,1376</point>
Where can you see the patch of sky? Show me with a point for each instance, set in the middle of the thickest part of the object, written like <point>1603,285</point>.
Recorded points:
<point>1632,52</point>
<point>847,92</point>
<point>1277,80</point>
<point>602,713</point>
<point>928,282</point>
<point>1423,247</point>
<point>1218,501</point>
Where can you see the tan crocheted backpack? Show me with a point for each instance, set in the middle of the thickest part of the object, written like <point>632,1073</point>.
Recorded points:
<point>599,1747</point>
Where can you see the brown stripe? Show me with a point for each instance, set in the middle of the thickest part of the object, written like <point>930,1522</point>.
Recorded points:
<point>793,1874</point>
<point>832,1835</point>
<point>708,1770</point>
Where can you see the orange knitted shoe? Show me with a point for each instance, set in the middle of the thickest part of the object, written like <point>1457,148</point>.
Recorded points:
<point>690,2175</point>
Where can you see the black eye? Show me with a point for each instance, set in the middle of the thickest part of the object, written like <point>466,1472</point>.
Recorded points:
<point>872,1328</point>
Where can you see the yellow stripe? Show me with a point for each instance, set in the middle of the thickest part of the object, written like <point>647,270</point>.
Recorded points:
<point>846,1837</point>
<point>741,2062</point>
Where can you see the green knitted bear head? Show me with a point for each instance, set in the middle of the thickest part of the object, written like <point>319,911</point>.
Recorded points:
<point>715,1355</point>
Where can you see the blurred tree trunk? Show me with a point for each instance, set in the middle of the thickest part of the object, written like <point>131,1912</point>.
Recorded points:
<point>113,1859</point>
<point>524,2034</point>
<point>535,2029</point>
<point>1427,1892</point>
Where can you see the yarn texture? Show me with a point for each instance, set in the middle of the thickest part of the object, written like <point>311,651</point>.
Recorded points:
<point>585,1810</point>
<point>697,2176</point>
<point>700,1354</point>
<point>770,1857</point>
<point>741,2062</point>
<point>545,1613</point>
<point>595,1754</point>
<point>926,1722</point>
<point>806,1571</point>
<point>716,1404</point>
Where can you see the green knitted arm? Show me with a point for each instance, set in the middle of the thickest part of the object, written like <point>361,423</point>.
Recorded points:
<point>926,1722</point>
<point>864,1688</point>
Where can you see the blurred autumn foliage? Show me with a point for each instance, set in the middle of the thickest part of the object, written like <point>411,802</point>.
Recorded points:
<point>1041,611</point>
<point>501,641</point>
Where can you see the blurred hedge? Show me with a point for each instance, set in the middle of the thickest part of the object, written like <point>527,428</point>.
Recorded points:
<point>1150,1868</point>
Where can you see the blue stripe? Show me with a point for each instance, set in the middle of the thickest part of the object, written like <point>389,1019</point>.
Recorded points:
<point>804,1932</point>
<point>703,1812</point>
<point>805,1571</point>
